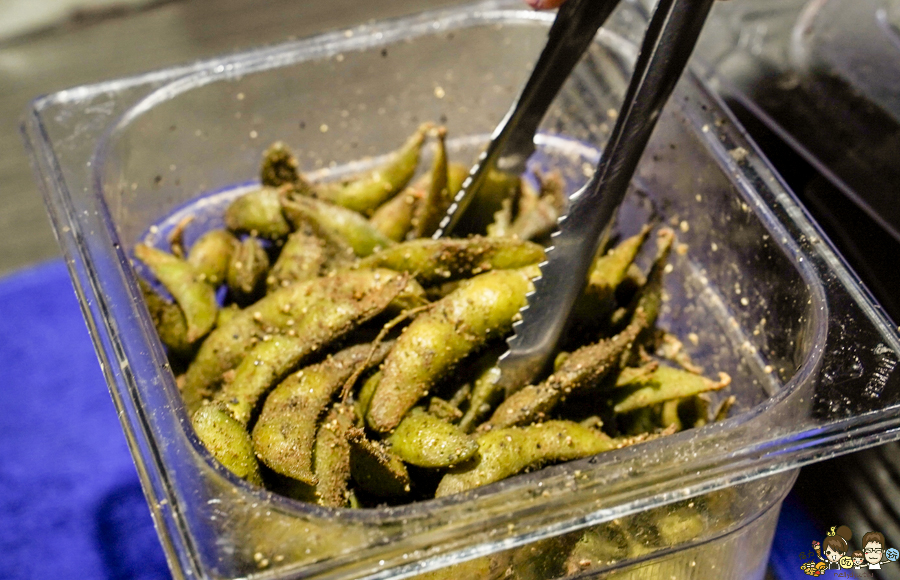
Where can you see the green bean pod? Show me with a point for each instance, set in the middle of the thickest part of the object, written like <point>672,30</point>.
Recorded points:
<point>211,254</point>
<point>227,440</point>
<point>318,311</point>
<point>366,192</point>
<point>506,452</point>
<point>480,309</point>
<point>437,261</point>
<point>349,225</point>
<point>285,433</point>
<point>258,213</point>
<point>196,298</point>
<point>426,441</point>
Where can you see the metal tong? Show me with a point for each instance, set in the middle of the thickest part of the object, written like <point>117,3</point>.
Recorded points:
<point>670,38</point>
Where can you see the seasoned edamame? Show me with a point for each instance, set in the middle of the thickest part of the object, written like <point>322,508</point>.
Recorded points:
<point>353,361</point>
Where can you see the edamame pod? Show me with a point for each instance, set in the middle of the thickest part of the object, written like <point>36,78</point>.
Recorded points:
<point>266,363</point>
<point>424,440</point>
<point>168,319</point>
<point>258,213</point>
<point>285,433</point>
<point>606,279</point>
<point>486,392</point>
<point>499,228</point>
<point>332,457</point>
<point>227,440</point>
<point>176,237</point>
<point>505,452</point>
<point>481,308</point>
<point>664,384</point>
<point>375,469</point>
<point>540,219</point>
<point>226,313</point>
<point>431,209</point>
<point>444,410</point>
<point>394,218</point>
<point>280,167</point>
<point>721,412</point>
<point>349,225</point>
<point>270,360</point>
<point>670,348</point>
<point>649,297</point>
<point>365,193</point>
<point>493,567</point>
<point>583,369</point>
<point>196,298</point>
<point>211,254</point>
<point>302,257</point>
<point>679,525</point>
<point>631,375</point>
<point>499,188</point>
<point>247,270</point>
<point>601,545</point>
<point>318,311</point>
<point>668,415</point>
<point>437,261</point>
<point>609,269</point>
<point>364,396</point>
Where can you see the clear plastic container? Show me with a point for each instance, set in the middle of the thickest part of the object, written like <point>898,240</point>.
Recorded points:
<point>817,83</point>
<point>812,358</point>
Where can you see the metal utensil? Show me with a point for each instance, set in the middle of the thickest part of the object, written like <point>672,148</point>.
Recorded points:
<point>670,38</point>
<point>512,143</point>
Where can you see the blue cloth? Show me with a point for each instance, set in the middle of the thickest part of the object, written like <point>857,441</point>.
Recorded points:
<point>71,505</point>
<point>792,545</point>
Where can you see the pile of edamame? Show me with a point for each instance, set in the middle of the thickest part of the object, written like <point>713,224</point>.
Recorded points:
<point>353,363</point>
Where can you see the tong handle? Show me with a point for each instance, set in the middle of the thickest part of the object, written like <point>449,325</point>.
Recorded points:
<point>512,142</point>
<point>667,46</point>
